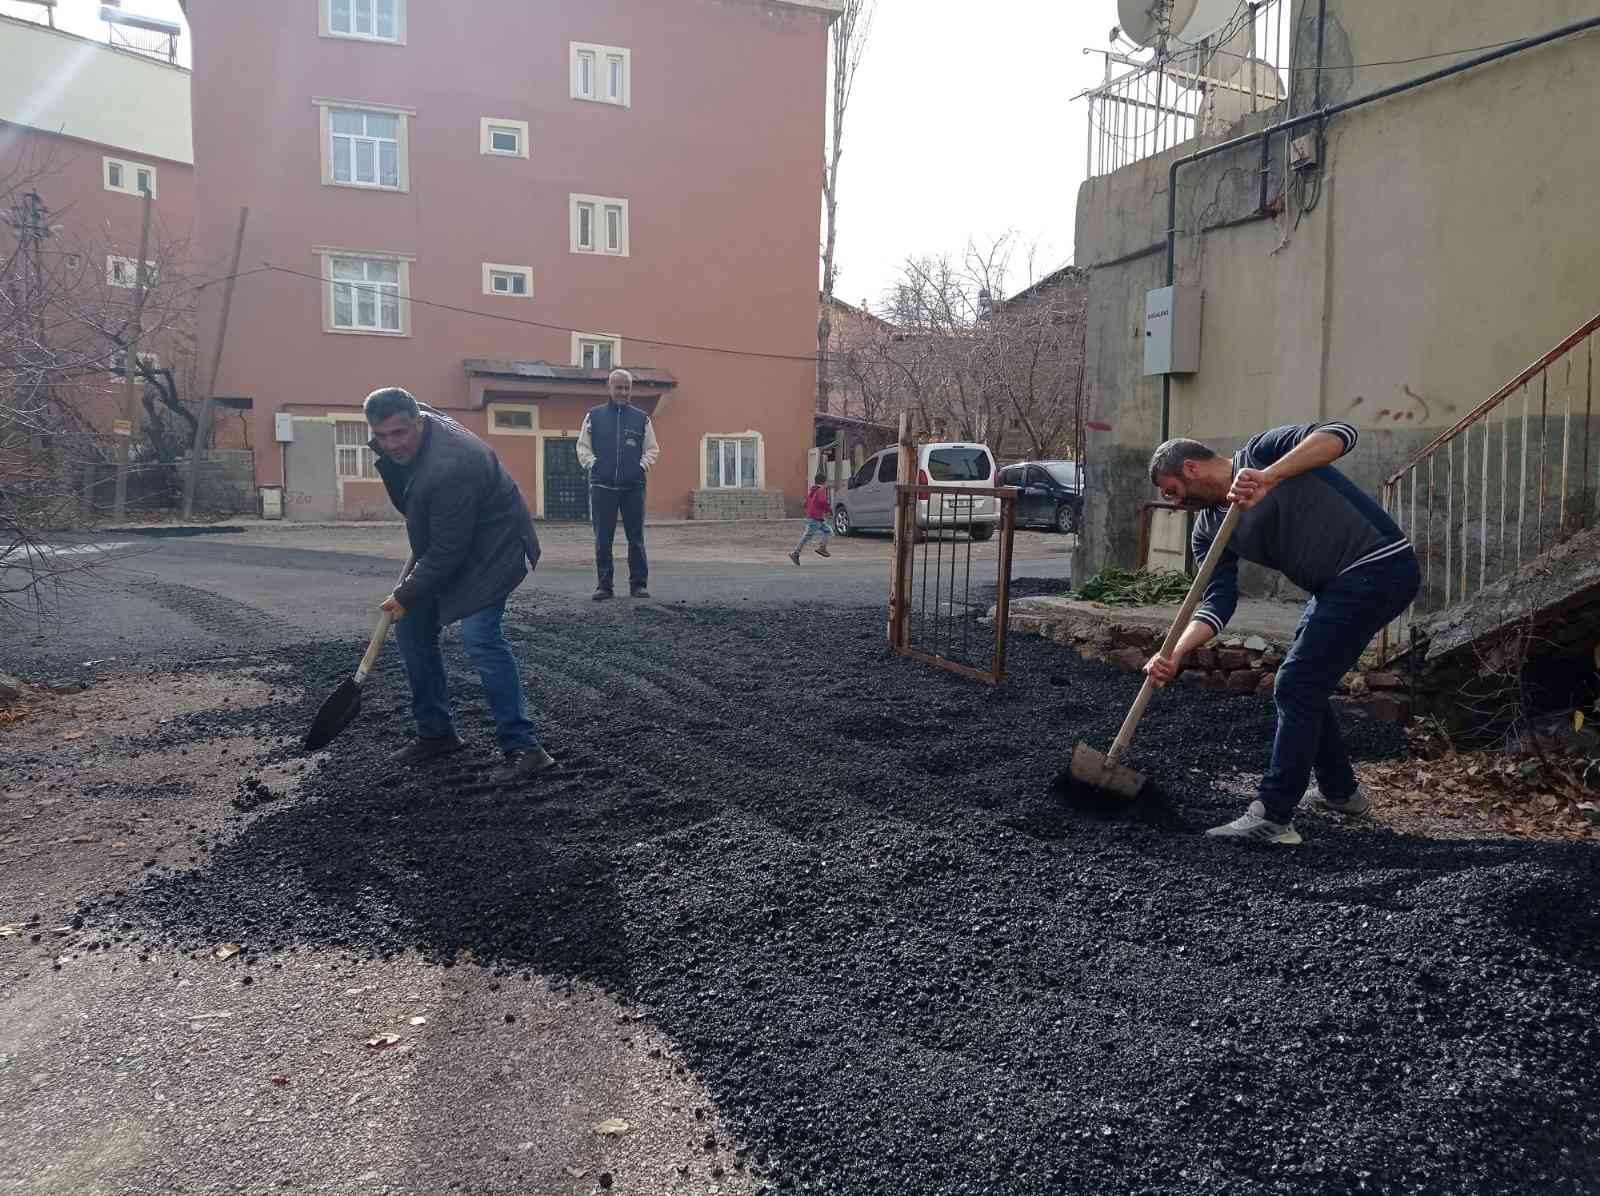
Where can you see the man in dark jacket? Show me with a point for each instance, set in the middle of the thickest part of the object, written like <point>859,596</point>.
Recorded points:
<point>1304,518</point>
<point>617,445</point>
<point>472,540</point>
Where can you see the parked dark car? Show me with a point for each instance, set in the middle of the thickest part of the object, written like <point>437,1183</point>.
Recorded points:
<point>1051,493</point>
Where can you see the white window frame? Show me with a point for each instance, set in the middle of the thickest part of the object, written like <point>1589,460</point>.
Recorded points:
<point>761,459</point>
<point>326,29</point>
<point>600,61</point>
<point>129,272</point>
<point>325,108</point>
<point>130,176</point>
<point>490,269</point>
<point>579,339</point>
<point>532,411</point>
<point>597,206</point>
<point>325,256</point>
<point>364,454</point>
<point>489,125</point>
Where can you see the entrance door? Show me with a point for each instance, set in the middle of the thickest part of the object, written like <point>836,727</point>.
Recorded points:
<point>566,484</point>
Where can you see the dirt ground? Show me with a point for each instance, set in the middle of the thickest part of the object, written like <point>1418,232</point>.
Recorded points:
<point>130,1070</point>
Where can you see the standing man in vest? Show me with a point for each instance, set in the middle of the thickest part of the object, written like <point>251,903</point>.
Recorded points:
<point>1305,519</point>
<point>617,446</point>
<point>473,542</point>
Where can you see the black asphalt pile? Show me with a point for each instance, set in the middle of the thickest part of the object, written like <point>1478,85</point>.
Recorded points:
<point>901,963</point>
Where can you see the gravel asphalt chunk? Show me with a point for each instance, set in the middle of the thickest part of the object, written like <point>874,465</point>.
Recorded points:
<point>844,889</point>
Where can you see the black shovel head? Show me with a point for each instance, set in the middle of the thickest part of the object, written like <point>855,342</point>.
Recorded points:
<point>337,713</point>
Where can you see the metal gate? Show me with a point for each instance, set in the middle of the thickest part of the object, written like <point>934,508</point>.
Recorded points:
<point>566,484</point>
<point>935,616</point>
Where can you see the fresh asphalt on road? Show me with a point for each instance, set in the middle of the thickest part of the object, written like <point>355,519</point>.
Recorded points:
<point>152,597</point>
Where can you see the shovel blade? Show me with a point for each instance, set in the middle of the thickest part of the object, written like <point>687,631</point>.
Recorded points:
<point>1091,768</point>
<point>337,713</point>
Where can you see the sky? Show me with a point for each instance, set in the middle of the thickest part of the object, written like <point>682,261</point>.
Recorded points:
<point>962,126</point>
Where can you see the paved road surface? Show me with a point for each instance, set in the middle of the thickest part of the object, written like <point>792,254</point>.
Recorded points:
<point>164,596</point>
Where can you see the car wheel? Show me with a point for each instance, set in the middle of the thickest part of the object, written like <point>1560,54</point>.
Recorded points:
<point>981,531</point>
<point>841,522</point>
<point>1066,519</point>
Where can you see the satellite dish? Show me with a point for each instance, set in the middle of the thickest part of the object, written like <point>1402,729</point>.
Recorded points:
<point>1225,107</point>
<point>1142,20</point>
<point>1217,57</point>
<point>1206,17</point>
<point>1213,42</point>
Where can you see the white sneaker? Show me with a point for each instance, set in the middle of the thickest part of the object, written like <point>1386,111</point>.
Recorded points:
<point>1255,826</point>
<point>1353,806</point>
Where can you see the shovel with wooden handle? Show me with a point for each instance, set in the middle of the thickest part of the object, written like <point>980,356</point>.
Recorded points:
<point>1105,771</point>
<point>342,706</point>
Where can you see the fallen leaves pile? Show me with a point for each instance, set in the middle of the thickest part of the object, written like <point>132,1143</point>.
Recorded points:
<point>1547,796</point>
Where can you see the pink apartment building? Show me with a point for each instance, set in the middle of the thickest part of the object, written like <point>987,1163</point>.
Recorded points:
<point>493,204</point>
<point>86,128</point>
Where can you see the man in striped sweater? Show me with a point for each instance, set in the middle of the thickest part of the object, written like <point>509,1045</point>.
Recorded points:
<point>1305,519</point>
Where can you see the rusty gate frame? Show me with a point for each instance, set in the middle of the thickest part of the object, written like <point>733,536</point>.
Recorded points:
<point>907,494</point>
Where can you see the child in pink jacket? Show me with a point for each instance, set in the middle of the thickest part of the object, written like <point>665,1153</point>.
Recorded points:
<point>818,509</point>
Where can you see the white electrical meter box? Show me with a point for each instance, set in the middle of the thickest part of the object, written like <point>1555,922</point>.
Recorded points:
<point>283,427</point>
<point>1172,331</point>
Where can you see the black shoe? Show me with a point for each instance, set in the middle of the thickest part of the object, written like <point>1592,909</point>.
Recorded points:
<point>603,594</point>
<point>422,750</point>
<point>523,764</point>
<point>638,592</point>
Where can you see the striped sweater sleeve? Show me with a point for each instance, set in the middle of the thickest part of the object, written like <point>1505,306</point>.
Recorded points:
<point>1276,443</point>
<point>1222,591</point>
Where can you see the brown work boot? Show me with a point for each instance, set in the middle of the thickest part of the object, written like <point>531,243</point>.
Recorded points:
<point>422,750</point>
<point>523,764</point>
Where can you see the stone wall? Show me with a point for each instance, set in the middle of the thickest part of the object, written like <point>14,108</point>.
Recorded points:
<point>1238,665</point>
<point>737,504</point>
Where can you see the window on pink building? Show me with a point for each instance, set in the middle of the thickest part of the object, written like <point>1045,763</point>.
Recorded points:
<point>601,74</point>
<point>365,294</point>
<point>365,147</point>
<point>732,462</point>
<point>378,19</point>
<point>352,454</point>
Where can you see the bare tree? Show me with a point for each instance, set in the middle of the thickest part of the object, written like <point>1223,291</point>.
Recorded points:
<point>972,363</point>
<point>65,325</point>
<point>849,35</point>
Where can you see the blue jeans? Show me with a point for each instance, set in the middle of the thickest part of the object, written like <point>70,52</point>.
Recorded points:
<point>814,527</point>
<point>1335,630</point>
<point>490,653</point>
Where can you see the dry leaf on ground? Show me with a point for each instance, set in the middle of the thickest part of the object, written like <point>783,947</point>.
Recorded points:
<point>612,1127</point>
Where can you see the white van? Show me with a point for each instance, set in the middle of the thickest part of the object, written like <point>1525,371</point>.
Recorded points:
<point>867,503</point>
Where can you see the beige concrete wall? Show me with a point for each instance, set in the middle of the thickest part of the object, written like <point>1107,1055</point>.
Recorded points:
<point>1452,245</point>
<point>74,87</point>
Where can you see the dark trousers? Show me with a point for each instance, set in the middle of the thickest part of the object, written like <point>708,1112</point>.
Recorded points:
<point>1338,625</point>
<point>604,507</point>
